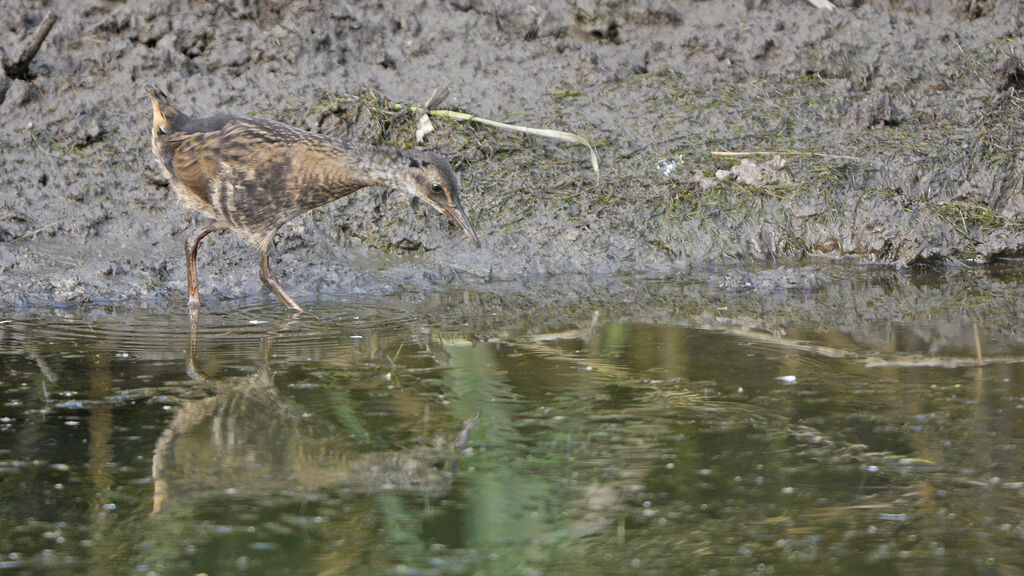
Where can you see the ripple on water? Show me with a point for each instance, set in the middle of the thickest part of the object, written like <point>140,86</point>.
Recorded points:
<point>157,332</point>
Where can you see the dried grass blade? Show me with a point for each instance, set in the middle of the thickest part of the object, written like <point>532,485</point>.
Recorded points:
<point>543,132</point>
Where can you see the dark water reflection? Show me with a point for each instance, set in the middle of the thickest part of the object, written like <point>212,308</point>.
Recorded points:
<point>347,443</point>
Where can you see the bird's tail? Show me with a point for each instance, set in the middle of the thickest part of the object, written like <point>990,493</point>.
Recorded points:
<point>165,115</point>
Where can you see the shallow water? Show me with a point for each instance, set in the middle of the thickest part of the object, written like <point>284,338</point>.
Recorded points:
<point>375,438</point>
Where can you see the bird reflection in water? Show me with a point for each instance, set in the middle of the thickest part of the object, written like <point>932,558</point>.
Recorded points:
<point>248,439</point>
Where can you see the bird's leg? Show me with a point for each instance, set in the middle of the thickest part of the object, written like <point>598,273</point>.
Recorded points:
<point>191,248</point>
<point>270,281</point>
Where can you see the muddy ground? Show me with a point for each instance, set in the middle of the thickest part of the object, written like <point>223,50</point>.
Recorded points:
<point>886,131</point>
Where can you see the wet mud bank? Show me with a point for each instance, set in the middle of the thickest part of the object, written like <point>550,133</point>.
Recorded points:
<point>729,132</point>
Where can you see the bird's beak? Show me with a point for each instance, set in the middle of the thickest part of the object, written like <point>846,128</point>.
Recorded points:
<point>458,216</point>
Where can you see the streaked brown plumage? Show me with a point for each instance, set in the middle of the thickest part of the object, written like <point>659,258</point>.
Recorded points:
<point>252,175</point>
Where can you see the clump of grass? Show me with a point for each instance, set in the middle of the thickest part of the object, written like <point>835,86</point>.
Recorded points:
<point>363,115</point>
<point>965,217</point>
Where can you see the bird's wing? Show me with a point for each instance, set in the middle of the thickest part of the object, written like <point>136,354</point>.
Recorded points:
<point>197,161</point>
<point>258,174</point>
<point>242,175</point>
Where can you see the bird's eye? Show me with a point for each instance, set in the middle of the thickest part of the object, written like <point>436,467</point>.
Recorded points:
<point>435,187</point>
<point>161,130</point>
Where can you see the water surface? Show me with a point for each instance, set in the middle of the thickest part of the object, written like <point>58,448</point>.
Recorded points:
<point>467,433</point>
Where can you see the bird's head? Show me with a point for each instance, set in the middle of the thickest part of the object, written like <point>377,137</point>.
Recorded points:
<point>165,115</point>
<point>431,179</point>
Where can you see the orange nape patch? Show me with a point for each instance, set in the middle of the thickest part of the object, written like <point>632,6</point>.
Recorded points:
<point>159,121</point>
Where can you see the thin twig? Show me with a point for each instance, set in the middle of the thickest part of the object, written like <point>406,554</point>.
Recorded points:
<point>437,96</point>
<point>19,68</point>
<point>732,154</point>
<point>33,233</point>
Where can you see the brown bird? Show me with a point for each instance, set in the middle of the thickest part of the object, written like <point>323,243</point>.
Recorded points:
<point>252,175</point>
